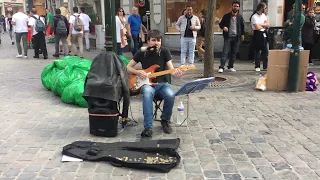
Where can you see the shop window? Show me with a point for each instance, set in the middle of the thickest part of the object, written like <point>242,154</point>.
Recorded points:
<point>175,8</point>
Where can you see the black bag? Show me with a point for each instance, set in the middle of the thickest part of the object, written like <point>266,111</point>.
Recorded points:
<point>157,155</point>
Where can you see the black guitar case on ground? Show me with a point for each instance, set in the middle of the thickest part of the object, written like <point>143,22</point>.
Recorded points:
<point>157,155</point>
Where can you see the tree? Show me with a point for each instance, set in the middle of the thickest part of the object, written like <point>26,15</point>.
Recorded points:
<point>208,70</point>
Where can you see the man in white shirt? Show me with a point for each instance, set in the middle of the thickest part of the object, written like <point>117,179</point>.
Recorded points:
<point>86,23</point>
<point>259,24</point>
<point>39,41</point>
<point>119,31</point>
<point>76,35</point>
<point>20,22</point>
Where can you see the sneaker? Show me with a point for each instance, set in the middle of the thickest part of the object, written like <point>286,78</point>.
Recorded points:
<point>45,57</point>
<point>12,43</point>
<point>264,69</point>
<point>310,64</point>
<point>191,65</point>
<point>200,60</point>
<point>55,55</point>
<point>220,70</point>
<point>257,69</point>
<point>19,56</point>
<point>146,133</point>
<point>166,127</point>
<point>88,50</point>
<point>182,65</point>
<point>26,57</point>
<point>232,70</point>
<point>36,57</point>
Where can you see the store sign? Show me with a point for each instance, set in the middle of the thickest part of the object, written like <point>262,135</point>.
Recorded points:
<point>157,11</point>
<point>247,10</point>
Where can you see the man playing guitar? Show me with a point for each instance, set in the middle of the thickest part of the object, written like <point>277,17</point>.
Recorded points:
<point>152,55</point>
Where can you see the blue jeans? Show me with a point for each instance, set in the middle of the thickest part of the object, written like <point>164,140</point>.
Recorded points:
<point>233,44</point>
<point>119,49</point>
<point>187,49</point>
<point>264,54</point>
<point>135,39</point>
<point>165,92</point>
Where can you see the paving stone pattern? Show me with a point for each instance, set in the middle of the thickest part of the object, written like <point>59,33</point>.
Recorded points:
<point>238,133</point>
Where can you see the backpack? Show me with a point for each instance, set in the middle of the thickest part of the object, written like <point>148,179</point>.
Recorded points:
<point>39,25</point>
<point>61,27</point>
<point>77,23</point>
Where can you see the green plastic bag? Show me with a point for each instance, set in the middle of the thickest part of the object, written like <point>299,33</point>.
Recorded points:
<point>46,75</point>
<point>66,61</point>
<point>124,59</point>
<point>72,94</point>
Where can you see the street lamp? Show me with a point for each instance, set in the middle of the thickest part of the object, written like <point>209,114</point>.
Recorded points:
<point>293,72</point>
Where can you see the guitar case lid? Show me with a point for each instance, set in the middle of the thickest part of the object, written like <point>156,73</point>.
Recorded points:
<point>157,155</point>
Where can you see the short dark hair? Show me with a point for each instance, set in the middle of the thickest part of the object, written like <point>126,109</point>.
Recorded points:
<point>188,7</point>
<point>236,2</point>
<point>203,12</point>
<point>33,11</point>
<point>58,11</point>
<point>75,9</point>
<point>83,9</point>
<point>154,34</point>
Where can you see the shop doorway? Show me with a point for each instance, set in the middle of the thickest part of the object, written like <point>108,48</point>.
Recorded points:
<point>144,11</point>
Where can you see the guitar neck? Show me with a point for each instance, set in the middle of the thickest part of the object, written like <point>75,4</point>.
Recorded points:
<point>161,73</point>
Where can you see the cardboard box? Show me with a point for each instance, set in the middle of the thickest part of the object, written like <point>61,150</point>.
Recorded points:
<point>278,65</point>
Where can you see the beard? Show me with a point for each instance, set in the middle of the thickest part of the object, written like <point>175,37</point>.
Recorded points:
<point>235,11</point>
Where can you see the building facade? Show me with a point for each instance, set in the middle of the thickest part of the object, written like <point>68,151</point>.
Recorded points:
<point>15,5</point>
<point>165,13</point>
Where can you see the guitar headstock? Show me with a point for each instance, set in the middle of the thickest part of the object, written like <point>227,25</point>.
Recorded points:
<point>187,68</point>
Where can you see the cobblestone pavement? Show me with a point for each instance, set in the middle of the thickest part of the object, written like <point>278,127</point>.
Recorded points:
<point>238,133</point>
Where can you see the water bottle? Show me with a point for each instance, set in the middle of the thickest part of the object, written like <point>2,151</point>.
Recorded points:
<point>180,113</point>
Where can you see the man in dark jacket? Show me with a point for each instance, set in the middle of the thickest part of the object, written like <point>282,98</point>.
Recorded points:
<point>60,32</point>
<point>232,25</point>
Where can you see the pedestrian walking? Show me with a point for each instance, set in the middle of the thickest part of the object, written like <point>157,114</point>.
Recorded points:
<point>188,25</point>
<point>201,34</point>
<point>259,23</point>
<point>308,32</point>
<point>38,27</point>
<point>10,28</point>
<point>134,25</point>
<point>61,31</point>
<point>232,25</point>
<point>76,31</point>
<point>20,21</point>
<point>121,31</point>
<point>86,23</point>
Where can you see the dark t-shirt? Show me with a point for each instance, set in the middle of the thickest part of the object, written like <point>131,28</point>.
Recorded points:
<point>149,58</point>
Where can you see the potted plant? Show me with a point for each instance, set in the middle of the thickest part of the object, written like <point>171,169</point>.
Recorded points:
<point>245,49</point>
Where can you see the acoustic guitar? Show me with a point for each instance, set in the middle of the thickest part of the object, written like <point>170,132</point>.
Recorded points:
<point>136,82</point>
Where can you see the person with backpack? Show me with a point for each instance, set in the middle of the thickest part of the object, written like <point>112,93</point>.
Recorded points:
<point>76,31</point>
<point>201,34</point>
<point>38,28</point>
<point>61,31</point>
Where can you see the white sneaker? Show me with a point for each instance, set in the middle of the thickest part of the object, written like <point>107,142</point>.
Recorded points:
<point>26,57</point>
<point>257,69</point>
<point>220,70</point>
<point>191,65</point>
<point>182,65</point>
<point>232,70</point>
<point>19,56</point>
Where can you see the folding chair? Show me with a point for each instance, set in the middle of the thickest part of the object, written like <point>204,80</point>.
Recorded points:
<point>158,101</point>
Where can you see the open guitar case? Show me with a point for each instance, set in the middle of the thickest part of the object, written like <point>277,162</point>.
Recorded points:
<point>157,155</point>
<point>105,86</point>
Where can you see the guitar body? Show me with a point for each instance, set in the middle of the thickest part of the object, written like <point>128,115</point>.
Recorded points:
<point>136,83</point>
